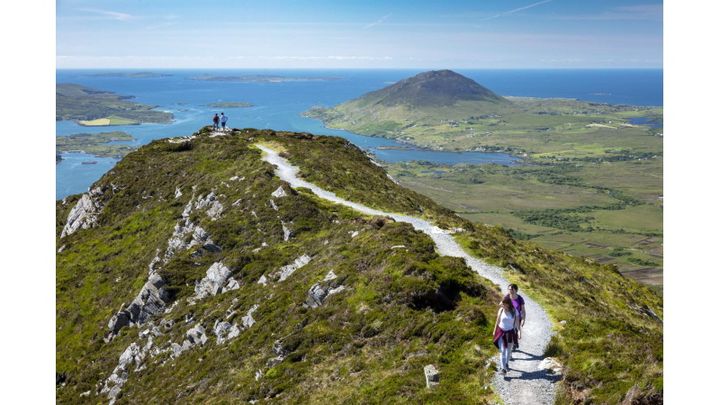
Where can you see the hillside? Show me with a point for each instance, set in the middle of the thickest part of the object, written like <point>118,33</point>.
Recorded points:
<point>93,107</point>
<point>191,262</point>
<point>590,183</point>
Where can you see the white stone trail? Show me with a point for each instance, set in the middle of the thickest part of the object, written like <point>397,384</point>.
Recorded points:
<point>526,383</point>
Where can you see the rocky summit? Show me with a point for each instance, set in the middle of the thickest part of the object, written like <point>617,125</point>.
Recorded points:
<point>190,272</point>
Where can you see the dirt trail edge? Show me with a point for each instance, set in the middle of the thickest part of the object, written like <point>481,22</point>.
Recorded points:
<point>526,383</point>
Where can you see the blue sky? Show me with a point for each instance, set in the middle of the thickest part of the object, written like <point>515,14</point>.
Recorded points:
<point>359,34</point>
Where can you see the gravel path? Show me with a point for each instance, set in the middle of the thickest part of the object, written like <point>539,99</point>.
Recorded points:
<point>525,383</point>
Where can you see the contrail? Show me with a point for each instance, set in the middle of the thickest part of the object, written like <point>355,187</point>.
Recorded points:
<point>513,11</point>
<point>378,22</point>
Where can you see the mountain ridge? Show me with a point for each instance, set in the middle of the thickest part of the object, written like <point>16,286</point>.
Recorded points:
<point>235,236</point>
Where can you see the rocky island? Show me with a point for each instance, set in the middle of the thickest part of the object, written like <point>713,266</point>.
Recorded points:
<point>262,78</point>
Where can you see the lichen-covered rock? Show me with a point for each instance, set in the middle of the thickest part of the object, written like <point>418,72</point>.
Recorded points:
<point>151,301</point>
<point>432,376</point>
<point>248,320</point>
<point>225,331</point>
<point>85,213</point>
<point>211,204</point>
<point>213,282</point>
<point>288,270</point>
<point>319,292</point>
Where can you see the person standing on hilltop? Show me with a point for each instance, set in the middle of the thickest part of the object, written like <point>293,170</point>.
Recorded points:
<point>518,303</point>
<point>505,335</point>
<point>216,121</point>
<point>223,120</point>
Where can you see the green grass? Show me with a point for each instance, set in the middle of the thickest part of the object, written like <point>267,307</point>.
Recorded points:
<point>368,343</point>
<point>581,208</point>
<point>403,308</point>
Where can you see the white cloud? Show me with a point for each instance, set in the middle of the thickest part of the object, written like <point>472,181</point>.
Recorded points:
<point>111,15</point>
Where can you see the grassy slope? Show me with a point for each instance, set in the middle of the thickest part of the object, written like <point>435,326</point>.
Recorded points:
<point>610,342</point>
<point>542,128</point>
<point>369,342</point>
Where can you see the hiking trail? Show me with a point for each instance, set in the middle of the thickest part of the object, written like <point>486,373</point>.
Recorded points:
<point>525,383</point>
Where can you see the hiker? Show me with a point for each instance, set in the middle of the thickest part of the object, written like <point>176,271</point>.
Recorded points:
<point>216,120</point>
<point>505,335</point>
<point>519,304</point>
<point>223,120</point>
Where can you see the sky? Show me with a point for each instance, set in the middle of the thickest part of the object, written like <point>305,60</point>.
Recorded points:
<point>479,34</point>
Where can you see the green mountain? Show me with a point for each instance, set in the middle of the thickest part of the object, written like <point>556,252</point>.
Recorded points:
<point>191,273</point>
<point>431,89</point>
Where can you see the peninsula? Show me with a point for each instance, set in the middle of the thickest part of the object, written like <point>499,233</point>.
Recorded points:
<point>92,107</point>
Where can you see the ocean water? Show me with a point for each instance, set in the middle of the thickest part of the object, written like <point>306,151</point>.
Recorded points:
<point>279,105</point>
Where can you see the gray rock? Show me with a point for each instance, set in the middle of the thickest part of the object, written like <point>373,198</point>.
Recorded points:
<point>149,302</point>
<point>232,284</point>
<point>279,192</point>
<point>85,213</point>
<point>212,206</point>
<point>225,331</point>
<point>196,336</point>
<point>213,282</point>
<point>432,376</point>
<point>288,270</point>
<point>319,292</point>
<point>248,319</point>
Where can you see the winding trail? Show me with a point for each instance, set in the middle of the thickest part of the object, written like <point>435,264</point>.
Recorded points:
<point>525,383</point>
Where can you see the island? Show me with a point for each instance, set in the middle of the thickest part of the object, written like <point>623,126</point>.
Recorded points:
<point>262,79</point>
<point>103,144</point>
<point>231,104</point>
<point>131,75</point>
<point>92,107</point>
<point>591,179</point>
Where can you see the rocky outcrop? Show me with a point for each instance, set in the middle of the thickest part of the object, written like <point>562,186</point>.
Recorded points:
<point>213,208</point>
<point>215,279</point>
<point>248,320</point>
<point>288,270</point>
<point>150,301</point>
<point>85,213</point>
<point>134,354</point>
<point>193,337</point>
<point>225,331</point>
<point>320,292</point>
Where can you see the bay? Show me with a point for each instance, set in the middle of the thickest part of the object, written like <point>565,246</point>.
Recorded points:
<point>279,105</point>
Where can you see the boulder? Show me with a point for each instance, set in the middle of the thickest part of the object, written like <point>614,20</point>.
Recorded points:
<point>225,331</point>
<point>432,376</point>
<point>213,282</point>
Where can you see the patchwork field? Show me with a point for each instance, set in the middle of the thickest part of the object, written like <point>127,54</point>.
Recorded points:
<point>610,212</point>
